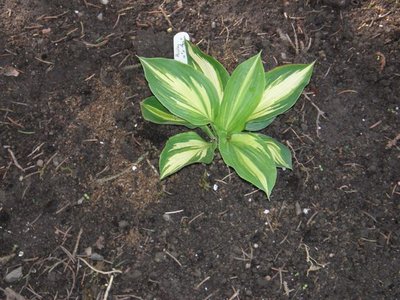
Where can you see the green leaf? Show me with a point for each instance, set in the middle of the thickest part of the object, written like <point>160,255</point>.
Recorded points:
<point>209,66</point>
<point>242,95</point>
<point>247,154</point>
<point>279,152</point>
<point>258,125</point>
<point>154,111</point>
<point>284,86</point>
<point>184,91</point>
<point>184,149</point>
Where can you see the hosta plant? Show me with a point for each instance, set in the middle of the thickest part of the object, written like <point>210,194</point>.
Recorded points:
<point>227,108</point>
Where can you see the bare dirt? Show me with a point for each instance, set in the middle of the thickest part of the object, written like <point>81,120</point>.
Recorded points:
<point>82,210</point>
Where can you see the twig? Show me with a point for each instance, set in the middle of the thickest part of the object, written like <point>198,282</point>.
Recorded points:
<point>77,243</point>
<point>97,270</point>
<point>173,212</point>
<point>202,282</point>
<point>90,45</point>
<point>164,13</point>
<point>320,113</point>
<point>393,142</point>
<point>173,257</point>
<point>198,216</point>
<point>112,177</point>
<point>47,163</point>
<point>236,294</point>
<point>15,160</point>
<point>44,61</point>
<point>108,287</point>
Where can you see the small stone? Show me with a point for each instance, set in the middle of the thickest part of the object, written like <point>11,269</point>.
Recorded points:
<point>123,224</point>
<point>159,256</point>
<point>104,2</point>
<point>135,274</point>
<point>213,25</point>
<point>97,257</point>
<point>261,282</point>
<point>167,217</point>
<point>40,163</point>
<point>88,251</point>
<point>14,275</point>
<point>100,17</point>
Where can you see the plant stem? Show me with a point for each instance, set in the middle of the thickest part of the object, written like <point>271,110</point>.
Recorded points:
<point>209,132</point>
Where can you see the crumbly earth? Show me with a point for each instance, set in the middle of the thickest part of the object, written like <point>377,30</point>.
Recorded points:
<point>82,209</point>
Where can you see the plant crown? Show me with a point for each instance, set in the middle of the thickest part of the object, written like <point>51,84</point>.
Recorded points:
<point>229,109</point>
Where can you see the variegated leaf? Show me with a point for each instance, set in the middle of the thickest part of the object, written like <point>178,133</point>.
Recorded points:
<point>258,125</point>
<point>247,154</point>
<point>184,149</point>
<point>242,95</point>
<point>279,152</point>
<point>154,111</point>
<point>209,66</point>
<point>184,91</point>
<point>284,86</point>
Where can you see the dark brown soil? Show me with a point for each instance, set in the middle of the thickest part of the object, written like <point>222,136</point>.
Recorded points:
<point>71,119</point>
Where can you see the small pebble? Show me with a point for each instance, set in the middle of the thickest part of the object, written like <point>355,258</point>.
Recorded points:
<point>40,163</point>
<point>135,274</point>
<point>213,25</point>
<point>123,224</point>
<point>96,257</point>
<point>104,2</point>
<point>100,16</point>
<point>159,256</point>
<point>167,217</point>
<point>14,275</point>
<point>215,187</point>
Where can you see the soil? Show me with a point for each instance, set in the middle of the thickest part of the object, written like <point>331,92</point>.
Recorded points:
<point>82,209</point>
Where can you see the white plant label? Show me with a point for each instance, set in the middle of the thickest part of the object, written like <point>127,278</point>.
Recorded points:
<point>179,46</point>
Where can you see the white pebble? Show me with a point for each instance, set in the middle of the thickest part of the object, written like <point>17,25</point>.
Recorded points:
<point>306,211</point>
<point>215,187</point>
<point>134,168</point>
<point>266,211</point>
<point>104,2</point>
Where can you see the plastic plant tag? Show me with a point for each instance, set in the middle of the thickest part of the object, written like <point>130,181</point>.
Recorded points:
<point>179,47</point>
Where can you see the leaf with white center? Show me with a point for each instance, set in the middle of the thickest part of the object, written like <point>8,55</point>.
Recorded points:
<point>184,149</point>
<point>247,154</point>
<point>284,86</point>
<point>279,152</point>
<point>184,91</point>
<point>154,111</point>
<point>209,66</point>
<point>258,125</point>
<point>242,95</point>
